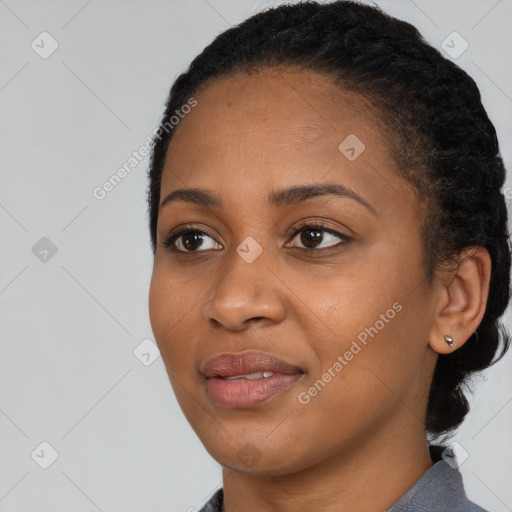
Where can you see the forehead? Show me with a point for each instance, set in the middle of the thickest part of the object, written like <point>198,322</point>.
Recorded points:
<point>299,105</point>
<point>276,128</point>
<point>273,112</point>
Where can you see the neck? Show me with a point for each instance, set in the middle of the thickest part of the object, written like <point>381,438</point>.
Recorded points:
<point>369,477</point>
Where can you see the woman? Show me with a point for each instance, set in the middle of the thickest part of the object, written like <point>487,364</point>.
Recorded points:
<point>331,259</point>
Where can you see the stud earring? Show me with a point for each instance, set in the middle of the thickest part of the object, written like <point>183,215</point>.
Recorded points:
<point>449,340</point>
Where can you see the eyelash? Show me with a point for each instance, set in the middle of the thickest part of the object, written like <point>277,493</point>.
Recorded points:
<point>311,226</point>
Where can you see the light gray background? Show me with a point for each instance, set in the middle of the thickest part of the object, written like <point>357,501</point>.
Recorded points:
<point>69,326</point>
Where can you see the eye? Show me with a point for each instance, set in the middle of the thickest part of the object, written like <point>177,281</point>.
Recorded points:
<point>312,236</point>
<point>189,240</point>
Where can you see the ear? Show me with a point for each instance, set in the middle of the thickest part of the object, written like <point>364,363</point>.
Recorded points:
<point>463,292</point>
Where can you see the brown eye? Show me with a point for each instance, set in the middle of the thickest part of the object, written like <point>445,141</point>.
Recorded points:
<point>310,238</point>
<point>313,236</point>
<point>190,240</point>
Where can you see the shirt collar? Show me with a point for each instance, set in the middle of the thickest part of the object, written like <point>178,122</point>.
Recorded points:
<point>439,489</point>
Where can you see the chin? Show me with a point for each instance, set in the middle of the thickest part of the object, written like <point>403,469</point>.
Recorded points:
<point>257,459</point>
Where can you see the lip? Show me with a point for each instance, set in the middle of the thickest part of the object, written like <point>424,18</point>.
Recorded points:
<point>247,393</point>
<point>230,365</point>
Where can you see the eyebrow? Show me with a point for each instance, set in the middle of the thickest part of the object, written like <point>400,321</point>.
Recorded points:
<point>277,199</point>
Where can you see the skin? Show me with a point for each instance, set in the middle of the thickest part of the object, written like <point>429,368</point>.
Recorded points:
<point>359,444</point>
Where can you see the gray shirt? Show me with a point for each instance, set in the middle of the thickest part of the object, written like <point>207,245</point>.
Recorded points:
<point>440,489</point>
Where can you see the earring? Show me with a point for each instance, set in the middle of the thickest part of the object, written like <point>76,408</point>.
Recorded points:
<point>449,340</point>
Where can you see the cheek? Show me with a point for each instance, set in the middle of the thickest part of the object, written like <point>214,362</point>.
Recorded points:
<point>170,310</point>
<point>170,302</point>
<point>372,365</point>
<point>359,385</point>
<point>160,305</point>
<point>369,318</point>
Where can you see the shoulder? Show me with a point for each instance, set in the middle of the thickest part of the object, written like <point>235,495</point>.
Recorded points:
<point>440,489</point>
<point>214,504</point>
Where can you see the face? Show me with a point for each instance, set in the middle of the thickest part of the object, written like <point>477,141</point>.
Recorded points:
<point>308,250</point>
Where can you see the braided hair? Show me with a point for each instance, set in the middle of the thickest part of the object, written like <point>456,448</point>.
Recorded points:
<point>440,135</point>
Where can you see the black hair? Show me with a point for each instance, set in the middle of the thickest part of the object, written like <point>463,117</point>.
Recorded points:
<point>442,139</point>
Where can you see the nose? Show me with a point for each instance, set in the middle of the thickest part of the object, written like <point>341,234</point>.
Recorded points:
<point>246,293</point>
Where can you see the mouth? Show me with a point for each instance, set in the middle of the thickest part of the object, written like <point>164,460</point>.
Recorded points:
<point>249,376</point>
<point>244,380</point>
